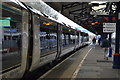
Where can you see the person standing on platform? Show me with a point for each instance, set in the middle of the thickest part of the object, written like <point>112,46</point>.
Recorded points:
<point>106,46</point>
<point>94,42</point>
<point>99,41</point>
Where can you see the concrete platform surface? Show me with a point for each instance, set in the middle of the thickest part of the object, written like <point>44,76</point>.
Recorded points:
<point>87,63</point>
<point>95,66</point>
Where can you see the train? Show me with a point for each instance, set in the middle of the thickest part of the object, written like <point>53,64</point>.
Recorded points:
<point>113,41</point>
<point>31,40</point>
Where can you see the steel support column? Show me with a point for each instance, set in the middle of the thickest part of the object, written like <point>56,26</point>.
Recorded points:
<point>110,49</point>
<point>110,40</point>
<point>116,62</point>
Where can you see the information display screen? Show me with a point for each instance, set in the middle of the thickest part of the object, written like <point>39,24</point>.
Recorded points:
<point>5,23</point>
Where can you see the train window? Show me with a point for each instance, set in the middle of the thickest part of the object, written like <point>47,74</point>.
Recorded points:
<point>48,38</point>
<point>67,39</point>
<point>82,39</point>
<point>63,39</point>
<point>77,38</point>
<point>10,24</point>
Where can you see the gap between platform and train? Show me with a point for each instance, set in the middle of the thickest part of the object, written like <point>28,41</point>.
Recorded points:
<point>75,72</point>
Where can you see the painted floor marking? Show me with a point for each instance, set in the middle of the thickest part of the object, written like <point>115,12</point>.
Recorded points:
<point>79,66</point>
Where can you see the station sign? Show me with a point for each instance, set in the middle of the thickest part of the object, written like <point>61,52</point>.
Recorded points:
<point>109,27</point>
<point>99,13</point>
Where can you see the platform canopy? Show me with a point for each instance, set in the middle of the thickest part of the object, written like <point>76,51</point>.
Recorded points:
<point>90,15</point>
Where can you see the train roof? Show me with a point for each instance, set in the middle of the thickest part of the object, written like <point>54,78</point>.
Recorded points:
<point>33,9</point>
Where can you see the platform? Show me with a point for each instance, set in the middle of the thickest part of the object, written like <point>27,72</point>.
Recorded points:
<point>88,62</point>
<point>96,67</point>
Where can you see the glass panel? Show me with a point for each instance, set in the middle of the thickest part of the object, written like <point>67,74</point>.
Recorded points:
<point>48,38</point>
<point>77,39</point>
<point>11,36</point>
<point>67,40</point>
<point>63,39</point>
<point>85,38</point>
<point>82,39</point>
<point>72,39</point>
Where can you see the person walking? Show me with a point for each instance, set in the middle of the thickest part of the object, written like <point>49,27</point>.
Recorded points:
<point>106,46</point>
<point>94,42</point>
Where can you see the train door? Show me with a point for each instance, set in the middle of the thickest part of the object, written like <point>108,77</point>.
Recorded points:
<point>35,55</point>
<point>48,40</point>
<point>79,38</point>
<point>68,40</point>
<point>14,40</point>
<point>59,41</point>
<point>26,28</point>
<point>76,39</point>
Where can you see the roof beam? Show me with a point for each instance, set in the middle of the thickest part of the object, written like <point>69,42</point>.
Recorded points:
<point>77,10</point>
<point>71,5</point>
<point>81,9</point>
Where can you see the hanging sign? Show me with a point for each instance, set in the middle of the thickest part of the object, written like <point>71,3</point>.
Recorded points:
<point>109,27</point>
<point>99,13</point>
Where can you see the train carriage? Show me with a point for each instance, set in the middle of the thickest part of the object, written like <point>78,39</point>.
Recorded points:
<point>32,40</point>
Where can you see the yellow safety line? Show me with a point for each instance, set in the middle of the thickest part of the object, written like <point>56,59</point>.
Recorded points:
<point>9,68</point>
<point>79,66</point>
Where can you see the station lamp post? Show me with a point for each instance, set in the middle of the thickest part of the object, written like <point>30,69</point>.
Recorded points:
<point>116,61</point>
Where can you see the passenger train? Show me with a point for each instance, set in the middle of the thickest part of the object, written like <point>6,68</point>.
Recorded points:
<point>113,38</point>
<point>31,40</point>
